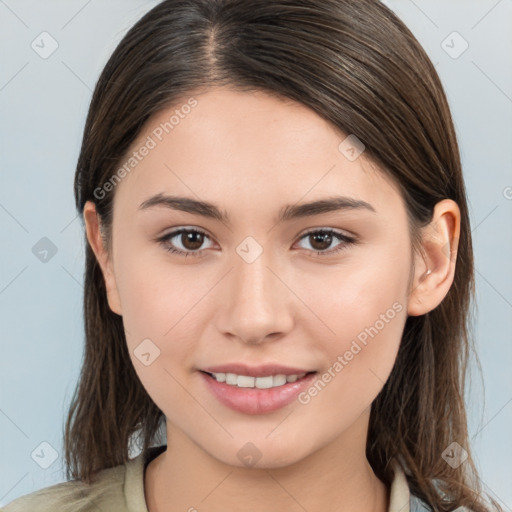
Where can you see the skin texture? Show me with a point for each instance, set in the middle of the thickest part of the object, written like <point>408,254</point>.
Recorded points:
<point>251,154</point>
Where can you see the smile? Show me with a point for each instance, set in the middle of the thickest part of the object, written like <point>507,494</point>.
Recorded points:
<point>256,395</point>
<point>245,381</point>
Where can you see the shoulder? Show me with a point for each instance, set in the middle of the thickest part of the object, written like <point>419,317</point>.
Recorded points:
<point>104,493</point>
<point>116,489</point>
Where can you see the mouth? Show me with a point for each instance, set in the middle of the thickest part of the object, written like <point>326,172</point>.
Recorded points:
<point>251,394</point>
<point>256,382</point>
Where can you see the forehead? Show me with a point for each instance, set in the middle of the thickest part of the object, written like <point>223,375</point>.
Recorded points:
<point>243,147</point>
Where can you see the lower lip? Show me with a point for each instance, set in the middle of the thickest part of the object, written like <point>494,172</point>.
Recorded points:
<point>254,400</point>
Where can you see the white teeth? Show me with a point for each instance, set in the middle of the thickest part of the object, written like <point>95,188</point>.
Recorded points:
<point>244,381</point>
<point>264,382</point>
<point>231,379</point>
<point>278,380</point>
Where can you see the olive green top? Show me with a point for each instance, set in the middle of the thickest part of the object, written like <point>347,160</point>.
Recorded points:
<point>121,489</point>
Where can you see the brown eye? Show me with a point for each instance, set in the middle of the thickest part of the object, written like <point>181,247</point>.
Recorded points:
<point>192,240</point>
<point>321,239</point>
<point>184,241</point>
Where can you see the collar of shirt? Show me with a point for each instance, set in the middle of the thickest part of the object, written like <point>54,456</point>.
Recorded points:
<point>400,498</point>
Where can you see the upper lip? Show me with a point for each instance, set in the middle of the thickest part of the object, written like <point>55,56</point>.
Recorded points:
<point>255,371</point>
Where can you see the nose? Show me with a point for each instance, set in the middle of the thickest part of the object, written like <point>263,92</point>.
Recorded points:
<point>256,304</point>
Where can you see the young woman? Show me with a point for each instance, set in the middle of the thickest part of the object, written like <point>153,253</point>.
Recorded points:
<point>278,269</point>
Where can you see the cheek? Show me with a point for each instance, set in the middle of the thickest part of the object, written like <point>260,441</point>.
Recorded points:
<point>158,314</point>
<point>156,296</point>
<point>355,294</point>
<point>363,313</point>
<point>154,315</point>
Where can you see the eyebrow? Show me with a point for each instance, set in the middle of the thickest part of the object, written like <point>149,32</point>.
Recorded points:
<point>287,213</point>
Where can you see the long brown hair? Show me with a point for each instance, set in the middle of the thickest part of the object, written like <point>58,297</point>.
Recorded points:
<point>358,66</point>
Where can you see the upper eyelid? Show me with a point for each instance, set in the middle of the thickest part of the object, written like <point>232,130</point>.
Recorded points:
<point>308,231</point>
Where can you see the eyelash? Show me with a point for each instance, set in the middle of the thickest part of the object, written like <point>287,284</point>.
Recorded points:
<point>164,241</point>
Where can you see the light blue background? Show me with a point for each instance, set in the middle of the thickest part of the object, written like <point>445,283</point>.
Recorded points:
<point>43,103</point>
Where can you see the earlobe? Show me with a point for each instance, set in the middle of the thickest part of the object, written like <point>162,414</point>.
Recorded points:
<point>94,237</point>
<point>435,265</point>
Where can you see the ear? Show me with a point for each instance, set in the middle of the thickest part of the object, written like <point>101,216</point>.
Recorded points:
<point>93,231</point>
<point>434,267</point>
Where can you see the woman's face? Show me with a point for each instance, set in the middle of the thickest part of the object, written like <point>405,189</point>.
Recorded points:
<point>264,285</point>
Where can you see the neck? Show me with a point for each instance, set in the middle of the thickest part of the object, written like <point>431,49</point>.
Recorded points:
<point>335,478</point>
